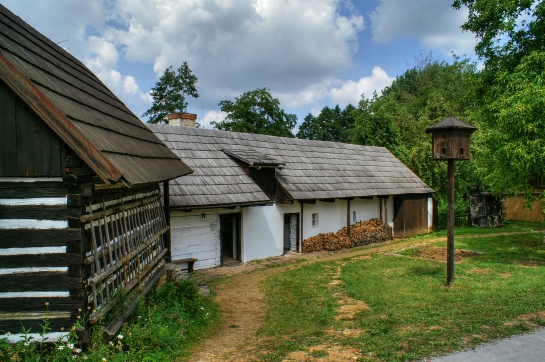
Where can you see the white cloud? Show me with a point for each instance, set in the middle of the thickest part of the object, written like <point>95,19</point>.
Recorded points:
<point>241,45</point>
<point>351,92</point>
<point>212,116</point>
<point>433,22</point>
<point>103,54</point>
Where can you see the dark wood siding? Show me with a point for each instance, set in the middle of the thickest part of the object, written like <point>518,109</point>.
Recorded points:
<point>410,215</point>
<point>29,146</point>
<point>39,264</point>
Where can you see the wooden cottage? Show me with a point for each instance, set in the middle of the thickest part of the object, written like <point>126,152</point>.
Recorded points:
<point>255,196</point>
<point>81,217</point>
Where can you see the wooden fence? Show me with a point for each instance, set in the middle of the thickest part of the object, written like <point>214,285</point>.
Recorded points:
<point>127,245</point>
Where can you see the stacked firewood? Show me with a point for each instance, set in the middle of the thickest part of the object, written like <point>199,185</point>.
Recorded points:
<point>361,233</point>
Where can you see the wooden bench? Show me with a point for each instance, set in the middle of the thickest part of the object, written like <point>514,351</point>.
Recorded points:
<point>177,266</point>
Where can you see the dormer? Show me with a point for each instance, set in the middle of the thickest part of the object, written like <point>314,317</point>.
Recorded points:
<point>259,166</point>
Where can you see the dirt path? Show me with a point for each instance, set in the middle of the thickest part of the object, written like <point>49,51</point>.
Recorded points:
<point>242,302</point>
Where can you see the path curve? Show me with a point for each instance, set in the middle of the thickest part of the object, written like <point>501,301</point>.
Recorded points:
<point>242,302</point>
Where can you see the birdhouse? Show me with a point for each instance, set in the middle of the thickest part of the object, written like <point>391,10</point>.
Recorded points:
<point>451,139</point>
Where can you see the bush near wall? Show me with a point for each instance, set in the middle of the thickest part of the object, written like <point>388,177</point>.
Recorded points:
<point>361,233</point>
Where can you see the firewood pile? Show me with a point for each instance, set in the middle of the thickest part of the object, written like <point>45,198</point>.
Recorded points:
<point>361,233</point>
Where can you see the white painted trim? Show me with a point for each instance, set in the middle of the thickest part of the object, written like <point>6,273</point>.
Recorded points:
<point>36,337</point>
<point>9,271</point>
<point>36,201</point>
<point>33,251</point>
<point>32,224</point>
<point>30,179</point>
<point>34,295</point>
<point>28,316</point>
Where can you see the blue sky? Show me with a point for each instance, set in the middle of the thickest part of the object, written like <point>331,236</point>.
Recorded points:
<point>308,53</point>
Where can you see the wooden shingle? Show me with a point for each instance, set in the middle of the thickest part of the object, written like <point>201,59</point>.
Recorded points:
<point>311,169</point>
<point>80,109</point>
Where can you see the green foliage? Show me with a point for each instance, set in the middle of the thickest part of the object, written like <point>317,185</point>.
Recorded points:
<point>512,137</point>
<point>170,92</point>
<point>510,147</point>
<point>375,123</point>
<point>165,325</point>
<point>419,98</point>
<point>330,125</point>
<point>508,30</point>
<point>256,112</point>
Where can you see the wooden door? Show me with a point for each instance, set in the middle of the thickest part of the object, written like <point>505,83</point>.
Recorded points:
<point>410,215</point>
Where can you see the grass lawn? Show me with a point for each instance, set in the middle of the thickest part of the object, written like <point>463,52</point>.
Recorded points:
<point>401,307</point>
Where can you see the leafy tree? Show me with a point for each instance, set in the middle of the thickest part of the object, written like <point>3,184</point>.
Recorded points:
<point>170,92</point>
<point>422,96</point>
<point>376,126</point>
<point>508,30</point>
<point>330,125</point>
<point>511,36</point>
<point>512,134</point>
<point>256,112</point>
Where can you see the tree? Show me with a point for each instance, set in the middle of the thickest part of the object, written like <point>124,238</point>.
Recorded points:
<point>510,150</point>
<point>256,112</point>
<point>508,30</point>
<point>374,126</point>
<point>420,97</point>
<point>330,125</point>
<point>512,136</point>
<point>170,93</point>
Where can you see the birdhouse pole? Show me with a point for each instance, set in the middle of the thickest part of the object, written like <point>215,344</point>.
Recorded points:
<point>450,224</point>
<point>451,142</point>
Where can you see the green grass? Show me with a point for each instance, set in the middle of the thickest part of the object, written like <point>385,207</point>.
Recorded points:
<point>167,324</point>
<point>412,315</point>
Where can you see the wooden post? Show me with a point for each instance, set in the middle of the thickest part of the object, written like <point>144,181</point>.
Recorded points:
<point>348,217</point>
<point>380,208</point>
<point>450,225</point>
<point>166,207</point>
<point>300,246</point>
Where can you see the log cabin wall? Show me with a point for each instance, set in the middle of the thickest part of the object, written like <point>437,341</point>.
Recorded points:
<point>64,133</point>
<point>40,255</point>
<point>48,228</point>
<point>40,248</point>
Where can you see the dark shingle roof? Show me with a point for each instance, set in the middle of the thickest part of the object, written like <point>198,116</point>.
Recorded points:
<point>254,158</point>
<point>451,123</point>
<point>85,114</point>
<point>313,169</point>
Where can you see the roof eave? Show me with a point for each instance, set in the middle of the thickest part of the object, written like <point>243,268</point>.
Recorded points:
<point>58,122</point>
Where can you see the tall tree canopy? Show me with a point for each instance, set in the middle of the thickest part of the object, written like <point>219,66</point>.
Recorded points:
<point>256,111</point>
<point>507,30</point>
<point>170,93</point>
<point>510,148</point>
<point>422,96</point>
<point>330,125</point>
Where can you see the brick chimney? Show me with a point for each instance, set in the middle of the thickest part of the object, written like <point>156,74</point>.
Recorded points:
<point>182,119</point>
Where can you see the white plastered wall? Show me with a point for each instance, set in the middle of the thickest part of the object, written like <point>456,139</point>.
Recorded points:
<point>430,212</point>
<point>332,216</point>
<point>262,232</point>
<point>196,234</point>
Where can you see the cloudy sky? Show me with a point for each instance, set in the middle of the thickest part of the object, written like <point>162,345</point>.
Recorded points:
<point>308,53</point>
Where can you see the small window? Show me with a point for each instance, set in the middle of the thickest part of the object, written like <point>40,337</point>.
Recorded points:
<point>443,152</point>
<point>314,220</point>
<point>354,216</point>
<point>461,152</point>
